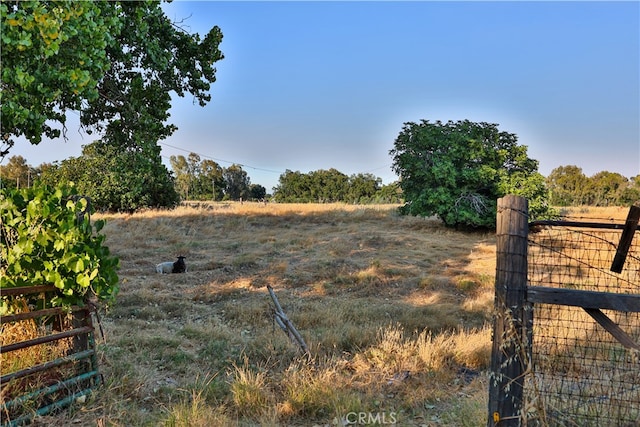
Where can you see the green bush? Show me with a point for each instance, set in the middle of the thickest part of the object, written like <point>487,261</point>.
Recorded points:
<point>458,170</point>
<point>46,237</point>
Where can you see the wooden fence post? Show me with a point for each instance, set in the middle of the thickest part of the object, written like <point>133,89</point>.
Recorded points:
<point>511,318</point>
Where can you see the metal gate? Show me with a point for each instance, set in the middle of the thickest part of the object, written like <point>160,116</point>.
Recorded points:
<point>52,368</point>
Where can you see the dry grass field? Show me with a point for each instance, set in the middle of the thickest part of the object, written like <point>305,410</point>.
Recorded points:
<point>395,311</point>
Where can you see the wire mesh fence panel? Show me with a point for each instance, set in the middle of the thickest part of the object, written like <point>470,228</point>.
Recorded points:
<point>582,374</point>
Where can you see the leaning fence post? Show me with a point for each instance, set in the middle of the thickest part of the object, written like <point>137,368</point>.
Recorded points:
<point>510,339</point>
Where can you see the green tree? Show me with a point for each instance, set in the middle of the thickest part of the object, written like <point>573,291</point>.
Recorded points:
<point>293,187</point>
<point>390,193</point>
<point>150,59</point>
<point>631,194</point>
<point>607,188</point>
<point>183,177</point>
<point>258,192</point>
<point>327,186</point>
<point>17,173</point>
<point>118,180</point>
<point>118,63</point>
<point>238,183</point>
<point>531,186</point>
<point>211,180</point>
<point>458,170</point>
<point>567,186</point>
<point>331,185</point>
<point>362,188</point>
<point>198,179</point>
<point>54,53</point>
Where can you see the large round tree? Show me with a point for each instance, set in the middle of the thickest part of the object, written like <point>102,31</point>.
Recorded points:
<point>458,170</point>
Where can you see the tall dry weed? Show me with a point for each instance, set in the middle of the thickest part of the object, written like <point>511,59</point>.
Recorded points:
<point>250,392</point>
<point>316,391</point>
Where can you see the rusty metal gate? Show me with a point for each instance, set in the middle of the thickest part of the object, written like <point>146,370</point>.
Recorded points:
<point>48,356</point>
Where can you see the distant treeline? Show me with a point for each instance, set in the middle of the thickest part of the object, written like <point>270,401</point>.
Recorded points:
<point>569,186</point>
<point>124,181</point>
<point>196,179</point>
<point>325,186</point>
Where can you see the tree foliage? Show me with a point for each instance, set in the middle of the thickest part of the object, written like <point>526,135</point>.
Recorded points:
<point>117,63</point>
<point>47,238</point>
<point>569,186</point>
<point>326,186</point>
<point>54,53</point>
<point>150,58</point>
<point>606,188</point>
<point>258,192</point>
<point>16,173</point>
<point>198,179</point>
<point>238,183</point>
<point>631,194</point>
<point>116,179</point>
<point>458,170</point>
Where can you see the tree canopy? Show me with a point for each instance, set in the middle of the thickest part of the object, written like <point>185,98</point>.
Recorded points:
<point>457,171</point>
<point>569,186</point>
<point>238,183</point>
<point>326,186</point>
<point>115,179</point>
<point>54,53</point>
<point>150,58</point>
<point>116,63</point>
<point>198,179</point>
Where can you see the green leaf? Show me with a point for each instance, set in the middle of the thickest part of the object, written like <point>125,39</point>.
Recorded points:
<point>43,238</point>
<point>77,265</point>
<point>59,245</point>
<point>83,280</point>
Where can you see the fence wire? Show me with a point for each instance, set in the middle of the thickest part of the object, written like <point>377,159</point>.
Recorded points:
<point>580,374</point>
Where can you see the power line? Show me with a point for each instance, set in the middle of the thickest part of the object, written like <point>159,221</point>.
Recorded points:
<point>220,160</point>
<point>244,165</point>
<point>223,160</point>
<point>378,168</point>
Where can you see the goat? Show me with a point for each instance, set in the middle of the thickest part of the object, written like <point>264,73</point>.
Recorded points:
<point>172,267</point>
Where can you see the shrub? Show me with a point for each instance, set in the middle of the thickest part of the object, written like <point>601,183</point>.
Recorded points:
<point>46,237</point>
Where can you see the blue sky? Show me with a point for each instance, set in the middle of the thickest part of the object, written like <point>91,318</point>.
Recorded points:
<point>318,85</point>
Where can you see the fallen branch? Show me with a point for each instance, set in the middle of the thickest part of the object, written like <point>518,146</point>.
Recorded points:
<point>285,324</point>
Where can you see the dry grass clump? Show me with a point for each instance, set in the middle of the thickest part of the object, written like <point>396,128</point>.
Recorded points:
<point>24,358</point>
<point>28,357</point>
<point>194,410</point>
<point>316,391</point>
<point>396,353</point>
<point>250,392</point>
<point>601,214</point>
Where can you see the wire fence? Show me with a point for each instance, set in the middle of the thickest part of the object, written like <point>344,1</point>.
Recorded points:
<point>585,362</point>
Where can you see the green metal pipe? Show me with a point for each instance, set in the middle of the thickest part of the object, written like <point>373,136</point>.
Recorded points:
<point>48,390</point>
<point>26,419</point>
